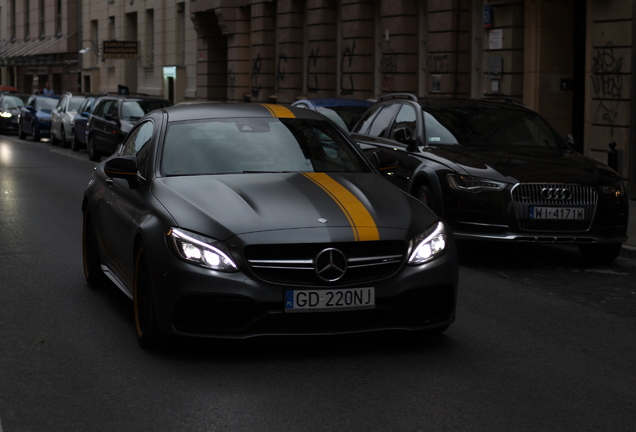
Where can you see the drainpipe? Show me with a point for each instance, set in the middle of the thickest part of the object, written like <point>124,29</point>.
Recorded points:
<point>631,181</point>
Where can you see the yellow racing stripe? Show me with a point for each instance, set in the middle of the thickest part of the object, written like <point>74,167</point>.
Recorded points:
<point>362,223</point>
<point>279,111</point>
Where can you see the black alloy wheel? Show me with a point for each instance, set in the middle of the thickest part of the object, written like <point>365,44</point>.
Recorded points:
<point>148,334</point>
<point>21,133</point>
<point>92,271</point>
<point>93,154</point>
<point>425,195</point>
<point>75,144</point>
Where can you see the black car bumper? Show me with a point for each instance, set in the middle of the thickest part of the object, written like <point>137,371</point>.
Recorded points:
<point>193,301</point>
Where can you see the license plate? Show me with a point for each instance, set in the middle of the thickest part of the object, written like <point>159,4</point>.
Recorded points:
<point>564,213</point>
<point>329,300</point>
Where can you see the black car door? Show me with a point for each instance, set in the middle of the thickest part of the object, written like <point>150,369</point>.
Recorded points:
<point>121,205</point>
<point>391,135</point>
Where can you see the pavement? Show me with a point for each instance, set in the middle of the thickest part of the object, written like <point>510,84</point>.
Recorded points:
<point>629,247</point>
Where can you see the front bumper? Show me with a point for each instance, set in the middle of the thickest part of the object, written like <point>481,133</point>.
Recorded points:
<point>192,301</point>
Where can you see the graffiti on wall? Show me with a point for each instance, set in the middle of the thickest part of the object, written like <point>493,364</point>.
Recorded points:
<point>389,66</point>
<point>312,76</point>
<point>257,64</point>
<point>607,83</point>
<point>346,78</point>
<point>280,68</point>
<point>438,64</point>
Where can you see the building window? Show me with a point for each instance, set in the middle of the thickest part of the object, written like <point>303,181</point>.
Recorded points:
<point>42,20</point>
<point>27,20</point>
<point>58,18</point>
<point>150,36</point>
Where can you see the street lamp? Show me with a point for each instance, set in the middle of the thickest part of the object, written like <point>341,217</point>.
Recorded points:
<point>96,49</point>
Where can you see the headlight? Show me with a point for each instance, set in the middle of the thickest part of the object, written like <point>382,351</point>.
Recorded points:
<point>202,251</point>
<point>616,190</point>
<point>5,114</point>
<point>473,184</point>
<point>428,245</point>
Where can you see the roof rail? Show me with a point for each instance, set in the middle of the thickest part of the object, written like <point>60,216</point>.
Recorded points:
<point>503,99</point>
<point>403,96</point>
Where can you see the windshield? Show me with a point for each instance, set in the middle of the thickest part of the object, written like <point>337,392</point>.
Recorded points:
<point>223,146</point>
<point>12,102</point>
<point>75,102</point>
<point>134,110</point>
<point>349,114</point>
<point>490,127</point>
<point>46,103</point>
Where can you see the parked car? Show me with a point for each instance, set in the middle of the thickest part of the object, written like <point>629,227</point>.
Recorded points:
<point>35,117</point>
<point>112,119</point>
<point>240,220</point>
<point>78,128</point>
<point>63,117</point>
<point>496,170</point>
<point>10,104</point>
<point>344,112</point>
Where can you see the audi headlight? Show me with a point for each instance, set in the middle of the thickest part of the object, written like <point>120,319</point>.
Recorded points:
<point>473,184</point>
<point>428,245</point>
<point>201,251</point>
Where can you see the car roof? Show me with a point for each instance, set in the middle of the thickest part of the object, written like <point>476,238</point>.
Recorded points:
<point>132,97</point>
<point>329,102</point>
<point>236,110</point>
<point>441,102</point>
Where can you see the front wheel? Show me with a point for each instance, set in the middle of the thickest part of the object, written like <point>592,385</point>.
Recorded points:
<point>603,253</point>
<point>92,270</point>
<point>425,195</point>
<point>21,133</point>
<point>75,144</point>
<point>93,154</point>
<point>144,310</point>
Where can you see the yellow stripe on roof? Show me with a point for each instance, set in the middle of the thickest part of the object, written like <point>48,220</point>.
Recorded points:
<point>362,223</point>
<point>279,111</point>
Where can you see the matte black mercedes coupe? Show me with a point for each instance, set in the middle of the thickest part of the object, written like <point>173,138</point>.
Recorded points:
<point>238,220</point>
<point>496,170</point>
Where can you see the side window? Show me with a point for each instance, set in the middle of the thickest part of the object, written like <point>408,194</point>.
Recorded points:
<point>99,111</point>
<point>136,144</point>
<point>31,101</point>
<point>365,122</point>
<point>405,119</point>
<point>114,109</point>
<point>383,120</point>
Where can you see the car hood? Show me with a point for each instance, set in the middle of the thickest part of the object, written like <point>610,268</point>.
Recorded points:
<point>516,166</point>
<point>335,207</point>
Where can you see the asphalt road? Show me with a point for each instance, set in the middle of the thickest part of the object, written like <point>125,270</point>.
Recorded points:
<point>541,343</point>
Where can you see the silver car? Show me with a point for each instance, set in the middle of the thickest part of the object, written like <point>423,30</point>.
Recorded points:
<point>62,118</point>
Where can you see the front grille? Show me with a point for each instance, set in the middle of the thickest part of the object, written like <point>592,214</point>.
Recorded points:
<point>294,264</point>
<point>527,195</point>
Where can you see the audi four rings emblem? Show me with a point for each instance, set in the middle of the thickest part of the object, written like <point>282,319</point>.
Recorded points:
<point>330,265</point>
<point>556,193</point>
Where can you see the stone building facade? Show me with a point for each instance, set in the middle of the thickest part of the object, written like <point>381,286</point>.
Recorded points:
<point>571,60</point>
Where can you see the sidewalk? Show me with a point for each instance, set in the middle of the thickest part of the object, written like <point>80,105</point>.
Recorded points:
<point>629,247</point>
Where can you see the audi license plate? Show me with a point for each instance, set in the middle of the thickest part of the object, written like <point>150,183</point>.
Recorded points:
<point>564,213</point>
<point>329,300</point>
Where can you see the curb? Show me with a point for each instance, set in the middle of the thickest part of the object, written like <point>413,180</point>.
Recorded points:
<point>628,251</point>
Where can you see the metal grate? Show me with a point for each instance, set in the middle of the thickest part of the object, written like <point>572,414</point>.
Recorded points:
<point>554,195</point>
<point>293,264</point>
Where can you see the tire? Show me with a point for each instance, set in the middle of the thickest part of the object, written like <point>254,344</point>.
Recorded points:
<point>145,318</point>
<point>63,141</point>
<point>425,195</point>
<point>21,133</point>
<point>597,254</point>
<point>36,132</point>
<point>93,154</point>
<point>75,144</point>
<point>90,253</point>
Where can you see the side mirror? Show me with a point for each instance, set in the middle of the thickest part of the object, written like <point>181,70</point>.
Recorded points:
<point>124,167</point>
<point>403,135</point>
<point>85,114</point>
<point>385,162</point>
<point>30,108</point>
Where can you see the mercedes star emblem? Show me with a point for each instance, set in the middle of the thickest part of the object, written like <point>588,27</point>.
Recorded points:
<point>330,264</point>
